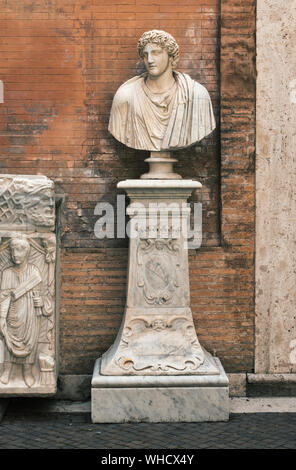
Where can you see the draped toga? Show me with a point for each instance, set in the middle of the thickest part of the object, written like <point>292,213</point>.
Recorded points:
<point>177,118</point>
<point>22,323</point>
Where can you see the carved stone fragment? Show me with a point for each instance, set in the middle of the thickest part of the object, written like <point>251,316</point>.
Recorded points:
<point>26,202</point>
<point>27,287</point>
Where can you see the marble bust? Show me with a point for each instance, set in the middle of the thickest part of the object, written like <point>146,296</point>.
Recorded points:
<point>162,109</point>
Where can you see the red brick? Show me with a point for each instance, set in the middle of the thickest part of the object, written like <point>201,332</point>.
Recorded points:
<point>61,64</point>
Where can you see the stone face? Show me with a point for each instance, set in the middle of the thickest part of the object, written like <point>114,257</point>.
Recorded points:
<point>160,399</point>
<point>275,188</point>
<point>27,288</point>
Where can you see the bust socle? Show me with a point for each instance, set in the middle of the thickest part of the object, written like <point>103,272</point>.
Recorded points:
<point>161,110</point>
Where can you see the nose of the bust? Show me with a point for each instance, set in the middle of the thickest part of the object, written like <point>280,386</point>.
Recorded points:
<point>149,58</point>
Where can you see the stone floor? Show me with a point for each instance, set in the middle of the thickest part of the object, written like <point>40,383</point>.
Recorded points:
<point>24,428</point>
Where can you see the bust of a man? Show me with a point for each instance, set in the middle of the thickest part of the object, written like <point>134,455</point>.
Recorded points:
<point>162,109</point>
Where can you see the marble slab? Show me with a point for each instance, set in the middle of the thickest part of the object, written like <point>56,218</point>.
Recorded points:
<point>120,399</point>
<point>28,360</point>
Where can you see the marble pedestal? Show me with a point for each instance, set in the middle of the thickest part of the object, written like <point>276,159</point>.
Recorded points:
<point>157,343</point>
<point>155,399</point>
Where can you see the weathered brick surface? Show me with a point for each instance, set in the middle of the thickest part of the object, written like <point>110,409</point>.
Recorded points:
<point>61,62</point>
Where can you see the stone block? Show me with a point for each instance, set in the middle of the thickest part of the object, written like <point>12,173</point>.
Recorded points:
<point>237,385</point>
<point>271,385</point>
<point>120,399</point>
<point>27,289</point>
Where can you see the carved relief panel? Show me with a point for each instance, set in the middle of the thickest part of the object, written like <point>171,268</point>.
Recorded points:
<point>26,203</point>
<point>160,345</point>
<point>157,274</point>
<point>27,287</point>
<point>158,270</point>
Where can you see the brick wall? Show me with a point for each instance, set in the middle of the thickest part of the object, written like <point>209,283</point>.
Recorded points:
<point>61,63</point>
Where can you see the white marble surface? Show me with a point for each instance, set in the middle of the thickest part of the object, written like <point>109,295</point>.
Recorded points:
<point>155,405</point>
<point>161,109</point>
<point>27,289</point>
<point>157,334</point>
<point>159,399</point>
<point>159,184</point>
<point>19,389</point>
<point>143,381</point>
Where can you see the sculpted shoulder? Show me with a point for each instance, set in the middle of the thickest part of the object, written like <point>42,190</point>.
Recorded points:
<point>199,88</point>
<point>126,91</point>
<point>202,91</point>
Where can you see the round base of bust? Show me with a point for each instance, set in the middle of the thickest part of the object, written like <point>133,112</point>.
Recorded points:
<point>161,168</point>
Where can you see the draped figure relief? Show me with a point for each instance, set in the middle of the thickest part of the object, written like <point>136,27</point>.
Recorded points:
<point>27,286</point>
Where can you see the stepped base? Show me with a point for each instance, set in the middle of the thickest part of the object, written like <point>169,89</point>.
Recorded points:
<point>191,398</point>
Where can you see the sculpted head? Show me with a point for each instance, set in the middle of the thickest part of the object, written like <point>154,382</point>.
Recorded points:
<point>41,206</point>
<point>158,324</point>
<point>149,112</point>
<point>19,249</point>
<point>159,50</point>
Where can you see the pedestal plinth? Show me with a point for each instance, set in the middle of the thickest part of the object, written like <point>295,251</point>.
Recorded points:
<point>163,398</point>
<point>157,338</point>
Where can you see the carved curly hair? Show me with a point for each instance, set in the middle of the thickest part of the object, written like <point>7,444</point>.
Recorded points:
<point>162,39</point>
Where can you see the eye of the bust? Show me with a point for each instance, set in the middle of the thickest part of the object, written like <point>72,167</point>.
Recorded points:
<point>157,49</point>
<point>153,51</point>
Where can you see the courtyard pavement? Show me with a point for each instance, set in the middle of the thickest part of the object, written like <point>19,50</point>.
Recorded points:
<point>28,425</point>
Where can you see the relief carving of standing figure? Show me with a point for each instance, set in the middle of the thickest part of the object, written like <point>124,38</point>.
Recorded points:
<point>20,311</point>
